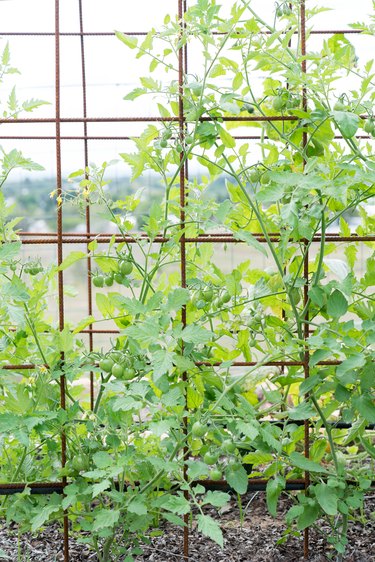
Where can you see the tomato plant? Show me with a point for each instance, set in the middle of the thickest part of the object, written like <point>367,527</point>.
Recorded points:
<point>191,385</point>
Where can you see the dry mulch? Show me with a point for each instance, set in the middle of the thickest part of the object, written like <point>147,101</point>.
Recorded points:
<point>255,541</point>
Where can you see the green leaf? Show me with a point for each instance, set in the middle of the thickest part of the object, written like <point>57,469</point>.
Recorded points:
<point>177,504</point>
<point>102,459</point>
<point>104,305</point>
<point>72,258</point>
<point>308,516</point>
<point>303,411</point>
<point>348,123</point>
<point>303,463</point>
<point>365,406</point>
<point>216,498</point>
<point>100,487</point>
<point>83,324</point>
<point>208,527</point>
<point>337,304</point>
<point>128,40</point>
<point>273,490</point>
<point>106,518</point>
<point>250,240</point>
<point>226,138</point>
<point>44,514</point>
<point>327,498</point>
<point>161,362</point>
<point>144,333</point>
<point>9,251</point>
<point>196,334</point>
<point>237,478</point>
<point>138,507</point>
<point>177,298</point>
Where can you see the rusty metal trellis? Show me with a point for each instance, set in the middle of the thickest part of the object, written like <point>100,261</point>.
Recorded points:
<point>61,238</point>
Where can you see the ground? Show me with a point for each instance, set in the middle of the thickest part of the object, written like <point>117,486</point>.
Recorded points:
<point>254,541</point>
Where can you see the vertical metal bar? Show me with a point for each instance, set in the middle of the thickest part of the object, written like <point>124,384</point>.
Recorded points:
<point>306,276</point>
<point>183,170</point>
<point>60,248</point>
<point>87,211</point>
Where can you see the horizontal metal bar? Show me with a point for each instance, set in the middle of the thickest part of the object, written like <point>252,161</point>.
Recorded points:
<point>141,33</point>
<point>254,485</point>
<point>202,239</point>
<point>126,138</point>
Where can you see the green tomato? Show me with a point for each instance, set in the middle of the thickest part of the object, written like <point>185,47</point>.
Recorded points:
<point>179,147</point>
<point>369,126</point>
<point>128,373</point>
<point>126,267</point>
<point>198,429</point>
<point>248,107</point>
<point>278,103</point>
<point>118,278</point>
<point>108,280</point>
<point>339,105</point>
<point>189,139</point>
<point>106,365</point>
<point>225,297</point>
<point>98,281</point>
<point>228,446</point>
<point>215,474</point>
<point>196,445</point>
<point>167,134</point>
<point>200,304</point>
<point>255,175</point>
<point>80,463</point>
<point>196,88</point>
<point>163,143</point>
<point>117,370</point>
<point>207,294</point>
<point>265,178</point>
<point>210,458</point>
<point>286,10</point>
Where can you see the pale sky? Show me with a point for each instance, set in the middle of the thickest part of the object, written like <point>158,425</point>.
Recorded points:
<point>111,70</point>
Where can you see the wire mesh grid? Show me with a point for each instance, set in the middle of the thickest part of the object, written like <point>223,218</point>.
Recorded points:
<point>60,238</point>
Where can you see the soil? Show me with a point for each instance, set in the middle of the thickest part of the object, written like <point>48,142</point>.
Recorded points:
<point>254,541</point>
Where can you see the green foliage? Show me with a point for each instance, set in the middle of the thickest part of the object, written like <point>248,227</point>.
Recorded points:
<point>171,409</point>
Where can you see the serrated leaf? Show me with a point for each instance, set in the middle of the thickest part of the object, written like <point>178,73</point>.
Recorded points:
<point>177,504</point>
<point>303,411</point>
<point>216,498</point>
<point>208,527</point>
<point>196,334</point>
<point>177,299</point>
<point>100,487</point>
<point>105,518</point>
<point>9,250</point>
<point>138,507</point>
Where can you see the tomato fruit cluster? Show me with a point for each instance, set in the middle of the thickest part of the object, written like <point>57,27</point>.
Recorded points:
<point>33,267</point>
<point>285,100</point>
<point>208,296</point>
<point>124,268</point>
<point>118,366</point>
